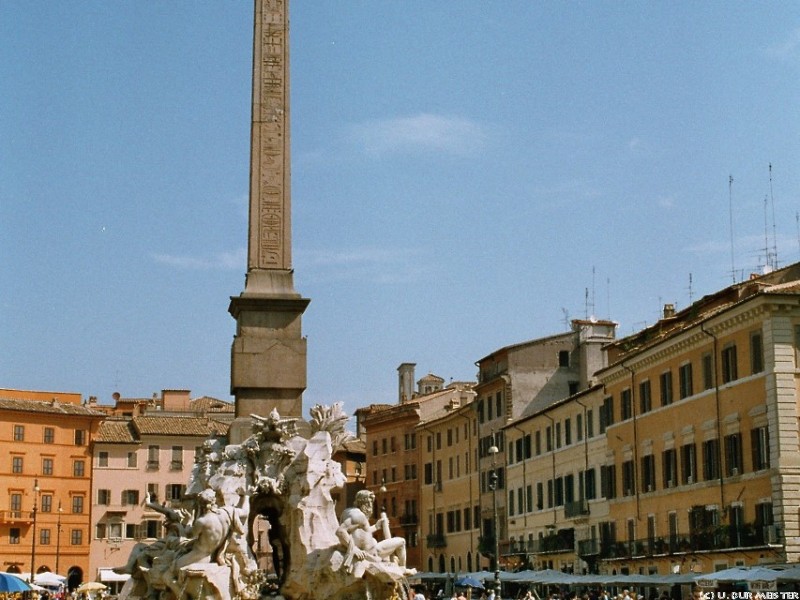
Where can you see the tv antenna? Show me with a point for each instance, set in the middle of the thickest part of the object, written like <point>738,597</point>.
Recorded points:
<point>774,234</point>
<point>730,211</point>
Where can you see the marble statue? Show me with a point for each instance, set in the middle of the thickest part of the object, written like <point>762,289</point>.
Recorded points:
<point>289,479</point>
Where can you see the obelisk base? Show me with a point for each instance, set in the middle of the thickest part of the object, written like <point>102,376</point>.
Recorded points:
<point>268,358</point>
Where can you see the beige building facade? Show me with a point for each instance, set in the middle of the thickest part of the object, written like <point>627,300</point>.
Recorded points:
<point>701,416</point>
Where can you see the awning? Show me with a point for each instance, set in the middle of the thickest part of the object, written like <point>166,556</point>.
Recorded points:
<point>108,574</point>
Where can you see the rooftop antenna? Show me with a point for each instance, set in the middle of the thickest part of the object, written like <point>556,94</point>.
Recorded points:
<point>774,234</point>
<point>730,211</point>
<point>566,317</point>
<point>691,291</point>
<point>594,306</point>
<point>586,303</point>
<point>767,253</point>
<point>608,293</point>
<point>797,223</point>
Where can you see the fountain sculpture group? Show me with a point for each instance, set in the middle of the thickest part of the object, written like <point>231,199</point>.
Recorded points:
<point>206,552</point>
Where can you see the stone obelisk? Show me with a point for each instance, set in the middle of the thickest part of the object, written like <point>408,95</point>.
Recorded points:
<point>268,357</point>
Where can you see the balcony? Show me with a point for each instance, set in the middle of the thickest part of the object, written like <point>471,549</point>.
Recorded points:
<point>15,516</point>
<point>175,465</point>
<point>152,465</point>
<point>722,537</point>
<point>579,508</point>
<point>436,540</point>
<point>408,520</point>
<point>561,541</point>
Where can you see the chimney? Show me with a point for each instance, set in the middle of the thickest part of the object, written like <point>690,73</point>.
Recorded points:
<point>669,311</point>
<point>406,382</point>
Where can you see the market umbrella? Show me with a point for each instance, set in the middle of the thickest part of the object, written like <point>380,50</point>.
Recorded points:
<point>48,578</point>
<point>9,583</point>
<point>468,581</point>
<point>91,586</point>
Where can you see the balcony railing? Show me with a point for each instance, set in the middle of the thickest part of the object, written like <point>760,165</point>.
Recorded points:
<point>152,465</point>
<point>723,537</point>
<point>15,516</point>
<point>408,520</point>
<point>576,509</point>
<point>563,541</point>
<point>175,465</point>
<point>436,540</point>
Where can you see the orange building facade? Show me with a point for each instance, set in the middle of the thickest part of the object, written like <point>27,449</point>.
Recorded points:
<point>45,478</point>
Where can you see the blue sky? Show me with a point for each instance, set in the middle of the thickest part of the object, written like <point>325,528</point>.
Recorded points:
<point>464,176</point>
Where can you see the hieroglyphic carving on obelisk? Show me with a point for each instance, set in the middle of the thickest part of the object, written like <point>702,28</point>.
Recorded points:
<point>268,356</point>
<point>269,256</point>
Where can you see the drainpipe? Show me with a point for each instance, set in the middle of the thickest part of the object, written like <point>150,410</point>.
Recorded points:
<point>553,454</point>
<point>475,468</point>
<point>635,442</point>
<point>585,445</point>
<point>719,416</point>
<point>433,474</point>
<point>524,476</point>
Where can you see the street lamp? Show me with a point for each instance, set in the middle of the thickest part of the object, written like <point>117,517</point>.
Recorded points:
<point>493,450</point>
<point>58,534</point>
<point>33,541</point>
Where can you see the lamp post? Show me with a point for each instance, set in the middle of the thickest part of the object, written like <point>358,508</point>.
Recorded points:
<point>33,540</point>
<point>493,450</point>
<point>58,534</point>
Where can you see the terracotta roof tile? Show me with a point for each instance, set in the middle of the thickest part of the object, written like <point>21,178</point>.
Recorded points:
<point>116,432</point>
<point>51,407</point>
<point>209,404</point>
<point>169,425</point>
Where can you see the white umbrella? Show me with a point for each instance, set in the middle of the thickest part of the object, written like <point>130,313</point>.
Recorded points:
<point>48,578</point>
<point>91,586</point>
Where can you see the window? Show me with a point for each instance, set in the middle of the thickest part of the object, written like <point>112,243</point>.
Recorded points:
<point>563,358</point>
<point>645,397</point>
<point>76,537</point>
<point>567,432</point>
<point>628,478</point>
<point>559,491</point>
<point>558,435</point>
<point>438,440</point>
<point>44,537</point>
<point>511,503</point>
<point>102,459</point>
<point>590,486</point>
<point>16,464</point>
<point>100,531</point>
<point>132,462</point>
<point>152,528</point>
<point>13,535</point>
<point>174,491</point>
<point>685,380</point>
<point>648,473</point>
<point>498,403</point>
<point>606,414</point>
<point>579,427</point>
<point>78,468</point>
<point>729,367</point>
<point>16,505</point>
<point>428,475</point>
<point>104,497</point>
<point>77,505</point>
<point>539,496</point>
<point>708,371</point>
<point>608,481</point>
<point>374,447</point>
<point>177,458</point>
<point>759,442</point>
<point>19,433</point>
<point>49,435</point>
<point>665,381</point>
<point>625,404</point>
<point>688,463</point>
<point>47,466</point>
<point>733,454</point>
<point>480,411</point>
<point>130,497</point>
<point>47,503</point>
<point>589,424</point>
<point>669,467</point>
<point>152,457</point>
<point>80,437</point>
<point>756,353</point>
<point>711,468</point>
<point>537,442</point>
<point>548,436</point>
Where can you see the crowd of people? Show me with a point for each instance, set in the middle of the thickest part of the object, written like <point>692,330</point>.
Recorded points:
<point>421,593</point>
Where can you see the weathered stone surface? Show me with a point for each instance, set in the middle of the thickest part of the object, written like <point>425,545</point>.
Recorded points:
<point>289,479</point>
